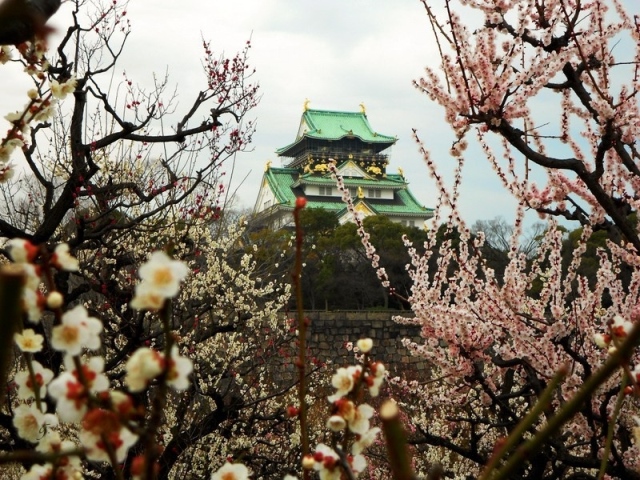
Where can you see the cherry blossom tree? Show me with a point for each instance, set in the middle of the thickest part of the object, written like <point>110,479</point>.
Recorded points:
<point>495,347</point>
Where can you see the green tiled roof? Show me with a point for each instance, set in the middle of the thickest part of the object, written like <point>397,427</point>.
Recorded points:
<point>330,125</point>
<point>331,204</point>
<point>408,204</point>
<point>282,182</point>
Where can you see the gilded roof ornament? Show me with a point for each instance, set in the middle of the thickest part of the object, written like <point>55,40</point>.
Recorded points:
<point>363,109</point>
<point>267,166</point>
<point>401,172</point>
<point>306,104</point>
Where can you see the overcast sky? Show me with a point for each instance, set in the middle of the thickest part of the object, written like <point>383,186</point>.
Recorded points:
<point>336,53</point>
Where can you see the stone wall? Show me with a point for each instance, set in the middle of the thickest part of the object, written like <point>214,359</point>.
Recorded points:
<point>330,332</point>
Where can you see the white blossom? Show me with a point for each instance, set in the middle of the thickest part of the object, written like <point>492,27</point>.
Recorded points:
<point>31,422</point>
<point>29,341</point>
<point>231,471</point>
<point>343,381</point>
<point>144,365</point>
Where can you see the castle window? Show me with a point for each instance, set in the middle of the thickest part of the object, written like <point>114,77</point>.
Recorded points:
<point>326,191</point>
<point>374,193</point>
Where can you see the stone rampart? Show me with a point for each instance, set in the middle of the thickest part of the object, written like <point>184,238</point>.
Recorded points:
<point>330,331</point>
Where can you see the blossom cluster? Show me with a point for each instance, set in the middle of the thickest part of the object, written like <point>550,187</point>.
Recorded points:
<point>348,423</point>
<point>24,253</point>
<point>224,283</point>
<point>618,331</point>
<point>490,335</point>
<point>471,326</point>
<point>113,190</point>
<point>109,422</point>
<point>349,418</point>
<point>161,277</point>
<point>619,328</point>
<point>40,106</point>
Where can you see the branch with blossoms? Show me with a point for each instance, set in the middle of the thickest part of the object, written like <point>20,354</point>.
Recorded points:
<point>150,375</point>
<point>349,422</point>
<point>104,186</point>
<point>494,346</point>
<point>628,339</point>
<point>544,51</point>
<point>108,175</point>
<point>370,250</point>
<point>349,418</point>
<point>109,422</point>
<point>113,426</point>
<point>495,342</point>
<point>39,108</point>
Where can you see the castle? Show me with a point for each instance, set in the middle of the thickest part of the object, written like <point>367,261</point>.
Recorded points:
<point>359,152</point>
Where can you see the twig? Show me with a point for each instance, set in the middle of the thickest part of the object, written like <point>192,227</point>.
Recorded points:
<point>11,281</point>
<point>396,440</point>
<point>612,428</point>
<point>302,334</point>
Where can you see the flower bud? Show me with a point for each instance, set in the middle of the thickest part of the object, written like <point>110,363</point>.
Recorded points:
<point>55,300</point>
<point>336,423</point>
<point>308,462</point>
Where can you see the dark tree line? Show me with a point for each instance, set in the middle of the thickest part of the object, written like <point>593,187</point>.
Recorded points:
<point>337,273</point>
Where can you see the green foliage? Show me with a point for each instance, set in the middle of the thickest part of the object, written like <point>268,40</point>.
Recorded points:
<point>337,273</point>
<point>317,223</point>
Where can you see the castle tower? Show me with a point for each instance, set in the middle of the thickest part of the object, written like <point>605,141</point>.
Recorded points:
<point>361,159</point>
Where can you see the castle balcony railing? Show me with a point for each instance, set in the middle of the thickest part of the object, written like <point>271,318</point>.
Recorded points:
<point>340,156</point>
